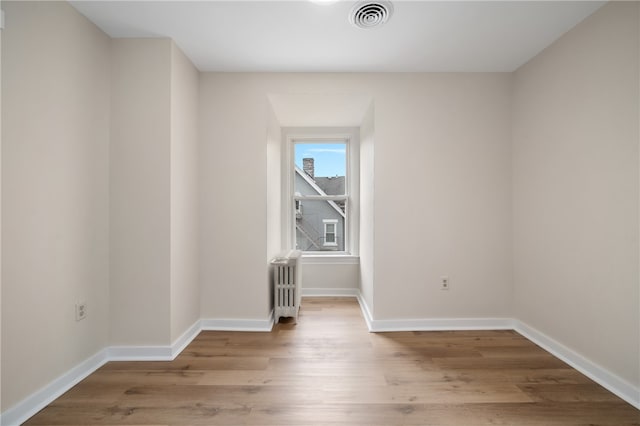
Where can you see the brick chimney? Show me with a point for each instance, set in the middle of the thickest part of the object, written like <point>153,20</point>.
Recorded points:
<point>308,167</point>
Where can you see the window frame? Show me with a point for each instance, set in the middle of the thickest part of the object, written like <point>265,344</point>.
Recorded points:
<point>349,136</point>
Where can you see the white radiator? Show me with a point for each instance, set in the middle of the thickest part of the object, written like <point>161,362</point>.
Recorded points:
<point>286,284</point>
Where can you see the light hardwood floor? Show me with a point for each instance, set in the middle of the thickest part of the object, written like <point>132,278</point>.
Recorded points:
<point>329,370</point>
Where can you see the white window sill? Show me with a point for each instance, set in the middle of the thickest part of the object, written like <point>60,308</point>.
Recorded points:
<point>320,259</point>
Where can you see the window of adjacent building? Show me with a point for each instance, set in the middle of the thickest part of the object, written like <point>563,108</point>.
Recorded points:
<point>320,196</point>
<point>330,226</point>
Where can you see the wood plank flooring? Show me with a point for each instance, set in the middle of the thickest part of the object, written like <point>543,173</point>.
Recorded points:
<point>329,370</point>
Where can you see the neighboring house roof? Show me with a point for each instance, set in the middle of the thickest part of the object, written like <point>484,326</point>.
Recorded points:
<point>312,183</point>
<point>331,185</point>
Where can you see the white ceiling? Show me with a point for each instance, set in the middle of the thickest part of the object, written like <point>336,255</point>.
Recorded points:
<point>301,36</point>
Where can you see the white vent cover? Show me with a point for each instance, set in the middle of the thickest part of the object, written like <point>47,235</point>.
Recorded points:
<point>370,13</point>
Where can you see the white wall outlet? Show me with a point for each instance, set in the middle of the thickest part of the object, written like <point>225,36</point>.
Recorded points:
<point>444,283</point>
<point>81,310</point>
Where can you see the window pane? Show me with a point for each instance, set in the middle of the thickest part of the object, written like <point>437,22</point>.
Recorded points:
<point>330,233</point>
<point>321,168</point>
<point>311,234</point>
<point>329,237</point>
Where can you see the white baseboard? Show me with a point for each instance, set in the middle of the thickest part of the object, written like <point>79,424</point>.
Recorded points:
<point>187,337</point>
<point>237,324</point>
<point>603,377</point>
<point>366,312</point>
<point>154,353</point>
<point>330,292</point>
<point>139,353</point>
<point>30,406</point>
<point>431,324</point>
<point>442,324</point>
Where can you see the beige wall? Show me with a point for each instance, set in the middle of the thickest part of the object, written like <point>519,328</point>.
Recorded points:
<point>367,207</point>
<point>274,185</point>
<point>330,276</point>
<point>185,290</point>
<point>154,193</point>
<point>274,192</point>
<point>55,154</point>
<point>442,190</point>
<point>234,120</point>
<point>575,161</point>
<point>140,191</point>
<point>442,196</point>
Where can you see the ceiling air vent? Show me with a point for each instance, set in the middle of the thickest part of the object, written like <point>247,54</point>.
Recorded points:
<point>370,14</point>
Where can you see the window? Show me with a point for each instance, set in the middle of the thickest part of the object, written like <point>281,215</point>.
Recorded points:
<point>320,197</point>
<point>330,226</point>
<point>320,192</point>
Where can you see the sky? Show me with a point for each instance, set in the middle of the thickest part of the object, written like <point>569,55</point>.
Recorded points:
<point>329,158</point>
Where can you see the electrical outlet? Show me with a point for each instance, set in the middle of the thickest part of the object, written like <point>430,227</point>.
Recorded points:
<point>81,310</point>
<point>444,283</point>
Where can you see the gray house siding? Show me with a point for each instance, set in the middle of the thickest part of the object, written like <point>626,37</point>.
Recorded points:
<point>311,216</point>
